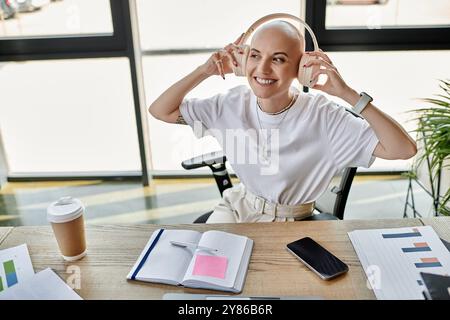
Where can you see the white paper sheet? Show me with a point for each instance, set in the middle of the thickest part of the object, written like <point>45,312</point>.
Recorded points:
<point>393,259</point>
<point>44,285</point>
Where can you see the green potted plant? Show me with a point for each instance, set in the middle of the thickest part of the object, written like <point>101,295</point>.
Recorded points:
<point>433,137</point>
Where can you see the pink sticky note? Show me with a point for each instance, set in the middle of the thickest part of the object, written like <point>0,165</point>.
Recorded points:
<point>211,266</point>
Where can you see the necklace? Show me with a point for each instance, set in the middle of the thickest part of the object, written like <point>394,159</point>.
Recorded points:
<point>266,143</point>
<point>282,110</point>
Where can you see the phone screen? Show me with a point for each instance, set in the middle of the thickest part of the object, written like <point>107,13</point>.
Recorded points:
<point>317,258</point>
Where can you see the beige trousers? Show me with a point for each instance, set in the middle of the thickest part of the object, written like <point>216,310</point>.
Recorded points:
<point>240,205</point>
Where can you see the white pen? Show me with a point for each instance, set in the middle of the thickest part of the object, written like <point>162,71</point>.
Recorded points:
<point>194,245</point>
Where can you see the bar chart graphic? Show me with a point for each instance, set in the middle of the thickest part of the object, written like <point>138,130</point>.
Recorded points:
<point>10,275</point>
<point>418,247</point>
<point>431,262</point>
<point>10,272</point>
<point>414,233</point>
<point>15,266</point>
<point>428,263</point>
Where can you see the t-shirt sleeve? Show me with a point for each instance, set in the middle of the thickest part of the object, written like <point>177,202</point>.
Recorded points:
<point>352,140</point>
<point>201,114</point>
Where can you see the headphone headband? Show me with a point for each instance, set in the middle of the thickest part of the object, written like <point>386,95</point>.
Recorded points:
<point>272,16</point>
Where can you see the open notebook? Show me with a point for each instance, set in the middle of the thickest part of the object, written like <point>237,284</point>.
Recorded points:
<point>194,266</point>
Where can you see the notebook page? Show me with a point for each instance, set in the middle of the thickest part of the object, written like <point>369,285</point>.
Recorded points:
<point>166,263</point>
<point>229,245</point>
<point>397,256</point>
<point>243,269</point>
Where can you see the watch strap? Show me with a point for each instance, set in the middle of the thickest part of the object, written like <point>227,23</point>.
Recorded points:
<point>362,102</point>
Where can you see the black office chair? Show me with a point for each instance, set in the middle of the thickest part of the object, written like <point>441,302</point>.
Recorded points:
<point>330,205</point>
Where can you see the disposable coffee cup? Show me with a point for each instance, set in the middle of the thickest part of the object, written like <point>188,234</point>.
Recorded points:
<point>66,218</point>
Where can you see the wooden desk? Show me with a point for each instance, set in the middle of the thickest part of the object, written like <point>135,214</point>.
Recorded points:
<point>4,233</point>
<point>440,224</point>
<point>113,249</point>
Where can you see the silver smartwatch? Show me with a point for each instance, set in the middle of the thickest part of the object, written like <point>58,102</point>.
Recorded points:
<point>362,102</point>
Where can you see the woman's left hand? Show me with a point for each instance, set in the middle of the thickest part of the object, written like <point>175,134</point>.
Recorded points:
<point>334,85</point>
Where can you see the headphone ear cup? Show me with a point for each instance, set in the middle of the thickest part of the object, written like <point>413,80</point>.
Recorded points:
<point>305,74</point>
<point>241,59</point>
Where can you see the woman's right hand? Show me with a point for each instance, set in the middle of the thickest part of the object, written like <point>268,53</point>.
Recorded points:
<point>220,62</point>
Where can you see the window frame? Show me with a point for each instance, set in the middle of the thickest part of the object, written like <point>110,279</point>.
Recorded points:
<point>71,46</point>
<point>119,44</point>
<point>352,39</point>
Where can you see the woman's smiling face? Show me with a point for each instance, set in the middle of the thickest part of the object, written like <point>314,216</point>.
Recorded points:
<point>275,53</point>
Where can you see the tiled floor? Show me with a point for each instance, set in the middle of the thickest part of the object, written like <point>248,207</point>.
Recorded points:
<point>384,198</point>
<point>179,201</point>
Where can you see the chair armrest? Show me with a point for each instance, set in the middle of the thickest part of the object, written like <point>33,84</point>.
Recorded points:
<point>204,160</point>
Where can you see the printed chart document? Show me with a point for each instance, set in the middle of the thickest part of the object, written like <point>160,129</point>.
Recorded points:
<point>15,266</point>
<point>210,260</point>
<point>44,285</point>
<point>394,258</point>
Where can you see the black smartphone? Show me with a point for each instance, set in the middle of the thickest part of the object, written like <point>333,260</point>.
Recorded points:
<point>317,258</point>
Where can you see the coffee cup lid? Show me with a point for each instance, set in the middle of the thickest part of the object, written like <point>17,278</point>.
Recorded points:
<point>64,210</point>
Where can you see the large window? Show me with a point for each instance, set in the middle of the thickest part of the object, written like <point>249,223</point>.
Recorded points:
<point>69,78</point>
<point>387,14</point>
<point>202,24</point>
<point>70,104</point>
<point>68,116</point>
<point>367,25</point>
<point>63,28</point>
<point>45,18</point>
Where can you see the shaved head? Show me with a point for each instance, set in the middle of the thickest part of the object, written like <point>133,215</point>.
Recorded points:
<point>283,31</point>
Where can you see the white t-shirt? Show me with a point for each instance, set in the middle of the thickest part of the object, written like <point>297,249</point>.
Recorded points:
<point>316,139</point>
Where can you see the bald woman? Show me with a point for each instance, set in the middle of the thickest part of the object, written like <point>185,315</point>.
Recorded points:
<point>284,145</point>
